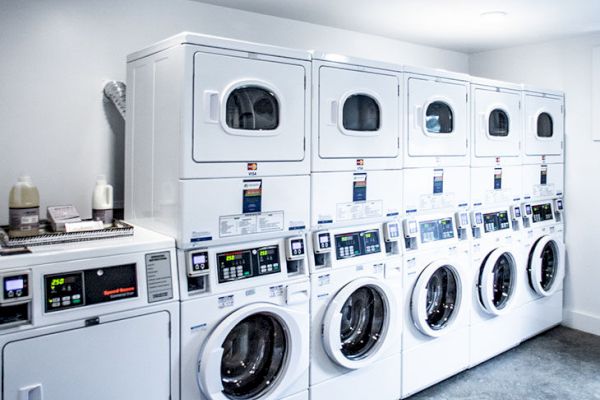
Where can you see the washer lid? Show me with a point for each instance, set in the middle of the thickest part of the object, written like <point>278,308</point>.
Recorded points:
<point>358,321</point>
<point>497,281</point>
<point>253,352</point>
<point>436,298</point>
<point>546,265</point>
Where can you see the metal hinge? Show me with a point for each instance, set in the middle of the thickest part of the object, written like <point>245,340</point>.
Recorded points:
<point>398,90</point>
<point>519,104</point>
<point>304,144</point>
<point>467,97</point>
<point>169,329</point>
<point>305,82</point>
<point>398,142</point>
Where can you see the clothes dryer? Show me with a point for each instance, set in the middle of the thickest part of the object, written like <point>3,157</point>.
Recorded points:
<point>437,122</point>
<point>436,295</point>
<point>355,313</point>
<point>218,144</point>
<point>356,114</point>
<point>496,123</point>
<point>543,140</point>
<point>245,321</point>
<point>496,261</point>
<point>93,320</point>
<point>541,297</point>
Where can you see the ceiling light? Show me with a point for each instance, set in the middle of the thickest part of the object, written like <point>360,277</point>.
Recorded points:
<point>493,16</point>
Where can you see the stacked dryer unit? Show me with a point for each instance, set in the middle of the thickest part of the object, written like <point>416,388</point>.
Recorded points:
<point>218,156</point>
<point>543,236</point>
<point>436,248</point>
<point>91,320</point>
<point>355,253</point>
<point>496,136</point>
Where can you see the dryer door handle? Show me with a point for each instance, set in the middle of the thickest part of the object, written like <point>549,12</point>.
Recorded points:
<point>32,392</point>
<point>211,106</point>
<point>333,115</point>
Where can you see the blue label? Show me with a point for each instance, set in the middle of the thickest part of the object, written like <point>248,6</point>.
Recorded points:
<point>252,196</point>
<point>201,239</point>
<point>325,221</point>
<point>359,187</point>
<point>497,178</point>
<point>438,181</point>
<point>392,214</point>
<point>297,228</point>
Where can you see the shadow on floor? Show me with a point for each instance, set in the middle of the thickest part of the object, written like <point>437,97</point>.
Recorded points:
<point>559,364</point>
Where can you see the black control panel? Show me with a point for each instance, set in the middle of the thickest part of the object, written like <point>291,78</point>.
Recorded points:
<point>297,247</point>
<point>437,229</point>
<point>92,286</point>
<point>248,263</point>
<point>542,212</point>
<point>356,244</point>
<point>495,221</point>
<point>324,240</point>
<point>15,287</point>
<point>199,261</point>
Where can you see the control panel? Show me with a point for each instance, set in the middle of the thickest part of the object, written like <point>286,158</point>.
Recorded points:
<point>558,204</point>
<point>410,228</point>
<point>462,224</point>
<point>198,263</point>
<point>93,286</point>
<point>542,212</point>
<point>515,213</point>
<point>322,242</point>
<point>295,249</point>
<point>15,287</point>
<point>476,222</point>
<point>356,244</point>
<point>437,229</point>
<point>495,221</point>
<point>247,263</point>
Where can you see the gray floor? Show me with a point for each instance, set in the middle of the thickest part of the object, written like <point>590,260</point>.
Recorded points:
<point>559,364</point>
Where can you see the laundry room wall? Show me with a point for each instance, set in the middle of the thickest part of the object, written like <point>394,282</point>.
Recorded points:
<point>56,56</point>
<point>567,65</point>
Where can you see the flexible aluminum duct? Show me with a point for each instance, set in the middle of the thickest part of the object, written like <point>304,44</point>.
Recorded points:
<point>115,92</point>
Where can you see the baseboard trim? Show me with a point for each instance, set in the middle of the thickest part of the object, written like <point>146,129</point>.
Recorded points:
<point>582,321</point>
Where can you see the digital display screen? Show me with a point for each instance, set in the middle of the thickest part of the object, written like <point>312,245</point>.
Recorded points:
<point>243,264</point>
<point>495,221</point>
<point>542,212</point>
<point>517,212</point>
<point>13,284</point>
<point>559,204</point>
<point>393,229</point>
<point>464,220</point>
<point>199,259</point>
<point>438,229</point>
<point>528,209</point>
<point>357,244</point>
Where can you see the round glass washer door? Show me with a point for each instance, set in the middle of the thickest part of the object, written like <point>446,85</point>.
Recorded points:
<point>252,353</point>
<point>436,298</point>
<point>497,281</point>
<point>546,265</point>
<point>357,322</point>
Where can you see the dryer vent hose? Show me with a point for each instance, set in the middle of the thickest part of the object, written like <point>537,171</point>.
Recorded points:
<point>115,92</point>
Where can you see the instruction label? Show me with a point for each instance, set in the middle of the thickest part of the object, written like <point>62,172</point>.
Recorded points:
<point>237,225</point>
<point>438,181</point>
<point>158,276</point>
<point>359,187</point>
<point>436,201</point>
<point>544,175</point>
<point>359,210</point>
<point>497,178</point>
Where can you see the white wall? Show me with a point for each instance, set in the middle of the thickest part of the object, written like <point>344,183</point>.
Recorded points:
<point>567,65</point>
<point>56,56</point>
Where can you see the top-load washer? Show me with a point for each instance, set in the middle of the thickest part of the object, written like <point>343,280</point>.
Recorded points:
<point>356,114</point>
<point>356,284</point>
<point>91,320</point>
<point>245,320</point>
<point>202,107</point>
<point>544,133</point>
<point>437,118</point>
<point>496,123</point>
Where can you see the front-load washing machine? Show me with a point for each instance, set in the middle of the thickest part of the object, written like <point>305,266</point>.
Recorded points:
<point>435,338</point>
<point>356,114</point>
<point>496,123</point>
<point>93,320</point>
<point>541,297</point>
<point>437,118</point>
<point>355,313</point>
<point>496,255</point>
<point>543,138</point>
<point>245,321</point>
<point>218,137</point>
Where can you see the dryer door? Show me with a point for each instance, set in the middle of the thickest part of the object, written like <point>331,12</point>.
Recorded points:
<point>436,298</point>
<point>358,114</point>
<point>497,281</point>
<point>247,109</point>
<point>437,123</point>
<point>498,123</point>
<point>544,132</point>
<point>252,353</point>
<point>546,265</point>
<point>358,321</point>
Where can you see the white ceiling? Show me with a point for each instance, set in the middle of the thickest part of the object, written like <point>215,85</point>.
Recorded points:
<point>451,24</point>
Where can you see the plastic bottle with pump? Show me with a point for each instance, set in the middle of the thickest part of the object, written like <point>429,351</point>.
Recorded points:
<point>102,201</point>
<point>24,208</point>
